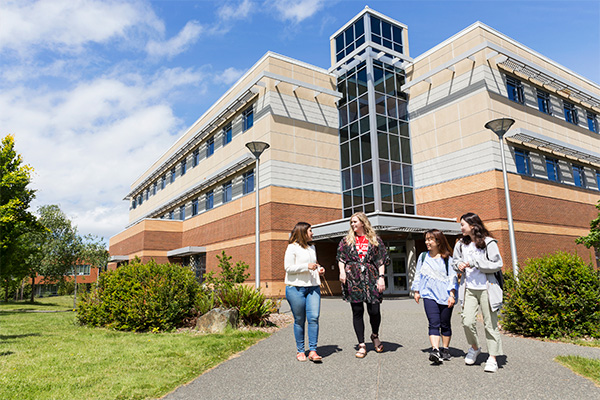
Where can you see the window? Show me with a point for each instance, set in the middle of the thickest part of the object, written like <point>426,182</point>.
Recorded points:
<point>227,191</point>
<point>83,269</point>
<point>578,176</point>
<point>183,166</point>
<point>522,161</point>
<point>248,182</point>
<point>543,99</point>
<point>349,40</point>
<point>163,182</point>
<point>195,207</point>
<point>146,194</point>
<point>515,90</point>
<point>598,179</point>
<point>227,134</point>
<point>592,122</point>
<point>210,146</point>
<point>552,169</point>
<point>196,158</point>
<point>386,34</point>
<point>154,188</point>
<point>209,201</point>
<point>140,199</point>
<point>570,112</point>
<point>171,215</point>
<point>182,212</point>
<point>134,203</point>
<point>247,119</point>
<point>173,175</point>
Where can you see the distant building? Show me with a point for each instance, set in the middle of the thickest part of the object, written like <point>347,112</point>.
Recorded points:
<point>399,138</point>
<point>86,274</point>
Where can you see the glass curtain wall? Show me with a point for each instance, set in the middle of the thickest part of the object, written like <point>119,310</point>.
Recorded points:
<point>375,154</point>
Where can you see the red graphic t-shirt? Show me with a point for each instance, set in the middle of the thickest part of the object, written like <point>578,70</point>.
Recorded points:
<point>362,245</point>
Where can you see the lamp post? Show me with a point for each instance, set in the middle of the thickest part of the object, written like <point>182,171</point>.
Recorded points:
<point>257,148</point>
<point>500,127</point>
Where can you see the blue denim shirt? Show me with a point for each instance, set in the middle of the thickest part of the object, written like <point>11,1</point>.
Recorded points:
<point>432,281</point>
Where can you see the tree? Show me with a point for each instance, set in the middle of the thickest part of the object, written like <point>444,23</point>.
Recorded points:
<point>593,239</point>
<point>15,219</point>
<point>63,248</point>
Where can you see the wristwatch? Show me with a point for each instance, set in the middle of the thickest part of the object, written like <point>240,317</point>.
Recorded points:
<point>381,275</point>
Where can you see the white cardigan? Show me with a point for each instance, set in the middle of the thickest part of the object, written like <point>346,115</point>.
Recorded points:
<point>296,266</point>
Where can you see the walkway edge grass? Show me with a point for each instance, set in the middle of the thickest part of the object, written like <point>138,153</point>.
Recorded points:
<point>587,367</point>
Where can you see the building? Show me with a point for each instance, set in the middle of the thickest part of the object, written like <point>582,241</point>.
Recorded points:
<point>86,274</point>
<point>399,138</point>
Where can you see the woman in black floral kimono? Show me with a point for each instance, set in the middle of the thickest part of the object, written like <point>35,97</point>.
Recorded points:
<point>362,259</point>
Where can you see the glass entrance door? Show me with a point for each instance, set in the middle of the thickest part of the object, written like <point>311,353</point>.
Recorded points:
<point>397,273</point>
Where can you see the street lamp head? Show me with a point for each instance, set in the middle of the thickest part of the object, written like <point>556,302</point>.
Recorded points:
<point>257,148</point>
<point>500,126</point>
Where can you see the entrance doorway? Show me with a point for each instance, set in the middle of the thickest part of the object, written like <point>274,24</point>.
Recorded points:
<point>396,275</point>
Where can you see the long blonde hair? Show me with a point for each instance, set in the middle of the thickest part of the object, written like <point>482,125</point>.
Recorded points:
<point>369,231</point>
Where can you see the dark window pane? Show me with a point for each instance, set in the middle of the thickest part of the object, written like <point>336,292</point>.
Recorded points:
<point>351,87</point>
<point>339,43</point>
<point>363,104</point>
<point>396,34</point>
<point>405,145</point>
<point>387,43</point>
<point>383,148</point>
<point>386,30</point>
<point>403,129</point>
<point>342,89</point>
<point>375,25</point>
<point>345,153</point>
<point>387,207</point>
<point>378,79</point>
<point>359,27</point>
<point>354,151</point>
<point>356,176</point>
<point>347,199</point>
<point>386,192</point>
<point>394,148</point>
<point>365,147</point>
<point>402,110</point>
<point>409,210</point>
<point>376,39</point>
<point>392,110</point>
<point>343,115</point>
<point>357,196</point>
<point>364,125</point>
<point>408,196</point>
<point>398,47</point>
<point>393,125</point>
<point>353,111</point>
<point>384,171</point>
<point>367,173</point>
<point>381,123</point>
<point>368,193</point>
<point>398,194</point>
<point>354,130</point>
<point>339,56</point>
<point>399,208</point>
<point>347,213</point>
<point>407,174</point>
<point>343,134</point>
<point>349,35</point>
<point>380,104</point>
<point>346,183</point>
<point>362,81</point>
<point>396,173</point>
<point>360,41</point>
<point>369,208</point>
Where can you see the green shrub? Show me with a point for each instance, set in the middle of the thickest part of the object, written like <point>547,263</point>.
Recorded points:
<point>253,306</point>
<point>556,296</point>
<point>141,297</point>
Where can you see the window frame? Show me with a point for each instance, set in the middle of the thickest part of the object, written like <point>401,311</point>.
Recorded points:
<point>517,91</point>
<point>210,146</point>
<point>524,154</point>
<point>227,134</point>
<point>182,213</point>
<point>247,118</point>
<point>592,120</point>
<point>249,175</point>
<point>580,176</point>
<point>570,112</point>
<point>554,162</point>
<point>227,192</point>
<point>183,166</point>
<point>173,174</point>
<point>544,103</point>
<point>195,204</point>
<point>195,157</point>
<point>209,200</point>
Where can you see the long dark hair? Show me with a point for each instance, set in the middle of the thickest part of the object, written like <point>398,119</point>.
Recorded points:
<point>479,230</point>
<point>300,235</point>
<point>442,243</point>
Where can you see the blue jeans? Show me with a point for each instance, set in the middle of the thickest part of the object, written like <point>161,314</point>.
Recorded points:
<point>305,302</point>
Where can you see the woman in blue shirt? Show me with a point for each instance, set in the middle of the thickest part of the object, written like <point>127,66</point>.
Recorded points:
<point>436,283</point>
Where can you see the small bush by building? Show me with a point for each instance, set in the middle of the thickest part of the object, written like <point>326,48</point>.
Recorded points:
<point>556,296</point>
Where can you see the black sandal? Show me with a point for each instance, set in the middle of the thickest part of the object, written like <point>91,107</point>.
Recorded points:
<point>376,343</point>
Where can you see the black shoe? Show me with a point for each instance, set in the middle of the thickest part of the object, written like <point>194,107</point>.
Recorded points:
<point>435,356</point>
<point>445,353</point>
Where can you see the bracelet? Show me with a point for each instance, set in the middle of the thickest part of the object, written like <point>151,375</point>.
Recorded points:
<point>381,275</point>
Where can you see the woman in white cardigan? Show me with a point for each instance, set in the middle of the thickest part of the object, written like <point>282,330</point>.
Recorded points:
<point>302,289</point>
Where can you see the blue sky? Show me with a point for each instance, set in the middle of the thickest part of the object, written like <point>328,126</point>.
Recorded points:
<point>95,91</point>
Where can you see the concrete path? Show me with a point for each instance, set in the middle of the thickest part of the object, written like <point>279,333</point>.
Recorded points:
<point>269,370</point>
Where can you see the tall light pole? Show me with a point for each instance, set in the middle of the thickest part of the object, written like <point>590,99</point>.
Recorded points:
<point>257,148</point>
<point>500,127</point>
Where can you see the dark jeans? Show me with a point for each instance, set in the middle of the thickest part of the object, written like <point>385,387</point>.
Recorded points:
<point>359,324</point>
<point>439,317</point>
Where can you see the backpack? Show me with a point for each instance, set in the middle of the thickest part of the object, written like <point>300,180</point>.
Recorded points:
<point>424,254</point>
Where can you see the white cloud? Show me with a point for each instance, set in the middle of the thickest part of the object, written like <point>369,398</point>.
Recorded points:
<point>178,44</point>
<point>229,76</point>
<point>296,10</point>
<point>241,11</point>
<point>68,25</point>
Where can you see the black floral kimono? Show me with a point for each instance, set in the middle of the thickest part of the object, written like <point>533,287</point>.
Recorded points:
<point>361,276</point>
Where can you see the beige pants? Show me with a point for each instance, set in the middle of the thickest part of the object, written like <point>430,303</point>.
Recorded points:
<point>475,299</point>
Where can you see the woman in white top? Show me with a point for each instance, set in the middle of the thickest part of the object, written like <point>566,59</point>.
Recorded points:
<point>302,289</point>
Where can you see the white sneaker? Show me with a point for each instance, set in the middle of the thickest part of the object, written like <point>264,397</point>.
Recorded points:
<point>491,366</point>
<point>472,356</point>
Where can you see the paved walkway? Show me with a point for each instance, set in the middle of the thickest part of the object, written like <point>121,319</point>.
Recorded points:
<point>269,370</point>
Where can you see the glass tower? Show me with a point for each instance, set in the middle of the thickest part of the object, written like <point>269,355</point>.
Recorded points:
<point>375,154</point>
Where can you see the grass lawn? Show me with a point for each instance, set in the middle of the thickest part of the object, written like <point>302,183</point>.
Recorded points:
<point>49,356</point>
<point>586,367</point>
